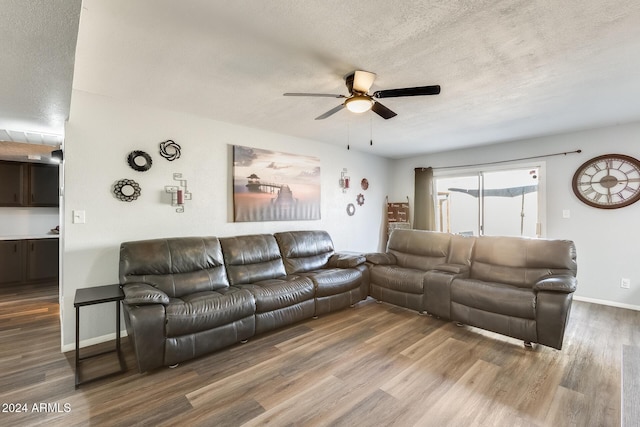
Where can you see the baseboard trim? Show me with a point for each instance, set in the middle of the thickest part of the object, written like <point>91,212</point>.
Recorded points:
<point>93,341</point>
<point>609,303</point>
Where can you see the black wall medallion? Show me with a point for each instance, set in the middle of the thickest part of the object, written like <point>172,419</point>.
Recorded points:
<point>139,161</point>
<point>170,150</point>
<point>126,190</point>
<point>360,199</point>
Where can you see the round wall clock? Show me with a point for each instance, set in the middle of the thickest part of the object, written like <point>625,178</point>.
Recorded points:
<point>609,181</point>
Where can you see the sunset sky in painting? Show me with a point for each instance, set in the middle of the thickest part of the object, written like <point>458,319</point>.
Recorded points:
<point>300,173</point>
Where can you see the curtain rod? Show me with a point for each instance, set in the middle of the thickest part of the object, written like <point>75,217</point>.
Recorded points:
<point>508,161</point>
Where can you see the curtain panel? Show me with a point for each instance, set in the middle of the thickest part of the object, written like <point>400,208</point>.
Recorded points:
<point>424,211</point>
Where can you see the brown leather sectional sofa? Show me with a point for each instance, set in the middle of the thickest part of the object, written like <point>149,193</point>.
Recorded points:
<point>185,297</point>
<point>514,286</point>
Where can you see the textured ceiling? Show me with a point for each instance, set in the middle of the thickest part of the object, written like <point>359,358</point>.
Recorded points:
<point>508,69</point>
<point>37,49</point>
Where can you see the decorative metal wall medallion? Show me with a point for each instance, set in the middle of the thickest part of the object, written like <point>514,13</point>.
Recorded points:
<point>139,161</point>
<point>170,150</point>
<point>360,199</point>
<point>126,190</point>
<point>351,209</point>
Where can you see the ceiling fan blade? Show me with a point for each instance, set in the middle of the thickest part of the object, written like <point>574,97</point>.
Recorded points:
<point>382,111</point>
<point>330,112</point>
<point>409,91</point>
<point>324,95</point>
<point>362,81</point>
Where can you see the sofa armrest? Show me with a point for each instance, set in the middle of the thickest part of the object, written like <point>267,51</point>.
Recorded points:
<point>564,284</point>
<point>453,268</point>
<point>380,258</point>
<point>339,260</point>
<point>143,293</point>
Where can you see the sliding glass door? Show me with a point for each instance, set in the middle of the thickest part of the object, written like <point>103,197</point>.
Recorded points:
<point>497,203</point>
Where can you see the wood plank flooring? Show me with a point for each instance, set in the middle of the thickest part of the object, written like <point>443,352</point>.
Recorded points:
<point>372,365</point>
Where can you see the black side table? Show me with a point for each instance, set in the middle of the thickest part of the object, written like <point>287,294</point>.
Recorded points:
<point>91,296</point>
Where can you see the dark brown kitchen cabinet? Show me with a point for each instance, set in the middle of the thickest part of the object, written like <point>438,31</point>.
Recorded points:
<point>13,176</point>
<point>42,259</point>
<point>28,184</point>
<point>12,257</point>
<point>33,260</point>
<point>43,185</point>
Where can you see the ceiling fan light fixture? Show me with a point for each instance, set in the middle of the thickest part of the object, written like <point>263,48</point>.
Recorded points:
<point>359,104</point>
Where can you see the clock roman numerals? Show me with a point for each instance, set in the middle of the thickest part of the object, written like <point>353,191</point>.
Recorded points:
<point>609,181</point>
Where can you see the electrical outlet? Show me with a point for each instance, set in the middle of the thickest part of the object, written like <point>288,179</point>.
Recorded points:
<point>625,283</point>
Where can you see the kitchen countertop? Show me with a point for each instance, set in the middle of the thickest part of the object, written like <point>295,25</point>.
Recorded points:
<point>31,236</point>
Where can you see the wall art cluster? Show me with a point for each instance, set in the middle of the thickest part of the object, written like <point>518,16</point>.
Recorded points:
<point>344,184</point>
<point>128,190</point>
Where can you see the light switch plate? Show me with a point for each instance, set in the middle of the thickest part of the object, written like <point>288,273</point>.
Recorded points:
<point>79,217</point>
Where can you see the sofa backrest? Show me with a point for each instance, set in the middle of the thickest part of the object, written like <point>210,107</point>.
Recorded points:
<point>252,258</point>
<point>176,266</point>
<point>304,251</point>
<point>461,249</point>
<point>521,261</point>
<point>419,249</point>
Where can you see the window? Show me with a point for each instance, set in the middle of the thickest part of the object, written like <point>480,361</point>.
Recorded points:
<point>498,202</point>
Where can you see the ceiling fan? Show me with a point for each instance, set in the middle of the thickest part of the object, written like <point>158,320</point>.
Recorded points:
<point>359,100</point>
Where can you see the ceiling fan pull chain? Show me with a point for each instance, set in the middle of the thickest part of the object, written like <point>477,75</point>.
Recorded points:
<point>348,135</point>
<point>370,130</point>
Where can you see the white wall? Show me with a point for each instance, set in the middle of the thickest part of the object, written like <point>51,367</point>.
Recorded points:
<point>100,134</point>
<point>607,241</point>
<point>28,221</point>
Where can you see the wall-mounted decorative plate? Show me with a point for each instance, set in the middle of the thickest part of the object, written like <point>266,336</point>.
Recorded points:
<point>126,190</point>
<point>139,161</point>
<point>170,150</point>
<point>351,209</point>
<point>364,183</point>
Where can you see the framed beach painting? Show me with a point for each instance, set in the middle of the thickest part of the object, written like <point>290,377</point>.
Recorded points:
<point>274,186</point>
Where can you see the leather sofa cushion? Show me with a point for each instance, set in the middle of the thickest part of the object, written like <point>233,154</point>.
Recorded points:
<point>460,249</point>
<point>143,293</point>
<point>274,294</point>
<point>400,279</point>
<point>378,258</point>
<point>494,297</point>
<point>177,266</point>
<point>252,258</point>
<point>304,250</point>
<point>346,260</point>
<point>520,261</point>
<point>421,250</point>
<point>207,310</point>
<point>335,280</point>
